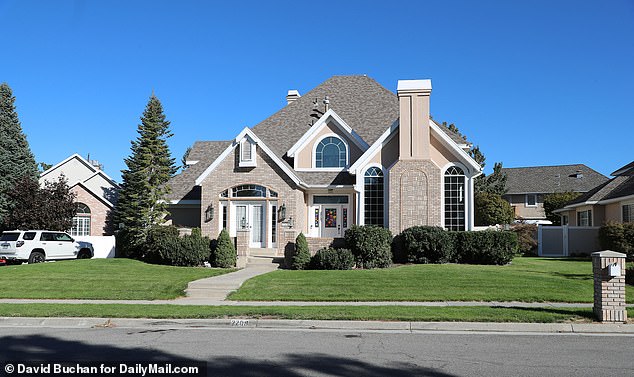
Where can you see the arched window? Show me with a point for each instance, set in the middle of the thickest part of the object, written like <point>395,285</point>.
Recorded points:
<point>331,153</point>
<point>454,199</point>
<point>373,196</point>
<point>248,191</point>
<point>81,221</point>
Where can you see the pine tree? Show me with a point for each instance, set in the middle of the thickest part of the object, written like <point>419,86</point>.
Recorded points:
<point>16,159</point>
<point>141,202</point>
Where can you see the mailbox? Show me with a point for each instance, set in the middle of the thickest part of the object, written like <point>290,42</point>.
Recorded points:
<point>614,270</point>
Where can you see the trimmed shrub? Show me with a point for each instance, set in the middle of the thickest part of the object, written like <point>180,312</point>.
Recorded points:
<point>160,243</point>
<point>164,246</point>
<point>526,238</point>
<point>486,247</point>
<point>224,254</point>
<point>618,237</point>
<point>426,244</point>
<point>129,244</point>
<point>370,245</point>
<point>197,232</point>
<point>332,259</point>
<point>301,255</point>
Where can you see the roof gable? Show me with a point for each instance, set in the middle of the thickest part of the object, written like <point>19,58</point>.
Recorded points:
<point>321,124</point>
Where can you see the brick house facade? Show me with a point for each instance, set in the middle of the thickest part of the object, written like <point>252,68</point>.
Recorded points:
<point>348,152</point>
<point>95,191</point>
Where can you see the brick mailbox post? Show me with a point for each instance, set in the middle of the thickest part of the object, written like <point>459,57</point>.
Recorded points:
<point>608,268</point>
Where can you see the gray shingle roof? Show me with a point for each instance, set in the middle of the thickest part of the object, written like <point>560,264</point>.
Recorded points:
<point>625,170</point>
<point>366,106</point>
<point>614,188</point>
<point>549,179</point>
<point>183,184</point>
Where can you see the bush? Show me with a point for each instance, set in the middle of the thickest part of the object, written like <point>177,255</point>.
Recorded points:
<point>618,237</point>
<point>486,247</point>
<point>491,209</point>
<point>526,238</point>
<point>129,244</point>
<point>332,259</point>
<point>370,245</point>
<point>301,255</point>
<point>164,246</point>
<point>224,254</point>
<point>426,244</point>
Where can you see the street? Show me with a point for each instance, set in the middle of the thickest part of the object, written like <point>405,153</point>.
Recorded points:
<point>259,352</point>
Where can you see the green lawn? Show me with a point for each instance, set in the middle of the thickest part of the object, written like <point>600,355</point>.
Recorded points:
<point>116,279</point>
<point>365,313</point>
<point>526,279</point>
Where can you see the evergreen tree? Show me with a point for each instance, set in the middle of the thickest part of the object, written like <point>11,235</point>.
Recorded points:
<point>141,202</point>
<point>16,159</point>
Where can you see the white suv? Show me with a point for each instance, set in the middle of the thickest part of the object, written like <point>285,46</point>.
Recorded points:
<point>36,246</point>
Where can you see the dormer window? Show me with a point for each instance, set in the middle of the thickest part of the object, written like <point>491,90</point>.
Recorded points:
<point>247,153</point>
<point>331,152</point>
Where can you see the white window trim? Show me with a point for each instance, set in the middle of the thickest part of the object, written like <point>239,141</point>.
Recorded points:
<point>314,154</point>
<point>468,189</point>
<point>526,201</point>
<point>252,162</point>
<point>623,205</point>
<point>361,194</point>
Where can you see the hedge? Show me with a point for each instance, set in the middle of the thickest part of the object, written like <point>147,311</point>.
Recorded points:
<point>425,244</point>
<point>370,245</point>
<point>486,247</point>
<point>164,246</point>
<point>332,259</point>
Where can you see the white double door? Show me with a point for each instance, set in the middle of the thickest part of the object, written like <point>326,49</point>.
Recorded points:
<point>251,216</point>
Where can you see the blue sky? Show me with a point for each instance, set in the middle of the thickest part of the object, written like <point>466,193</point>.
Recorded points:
<point>531,82</point>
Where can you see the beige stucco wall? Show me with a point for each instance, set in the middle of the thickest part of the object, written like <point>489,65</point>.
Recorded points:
<point>73,170</point>
<point>613,212</point>
<point>439,154</point>
<point>387,155</point>
<point>304,157</point>
<point>518,202</point>
<point>227,175</point>
<point>98,211</point>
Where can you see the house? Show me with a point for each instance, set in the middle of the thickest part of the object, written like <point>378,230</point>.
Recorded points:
<point>527,186</point>
<point>347,152</point>
<point>96,194</point>
<point>611,201</point>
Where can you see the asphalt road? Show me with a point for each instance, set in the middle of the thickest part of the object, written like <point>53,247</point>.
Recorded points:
<point>258,352</point>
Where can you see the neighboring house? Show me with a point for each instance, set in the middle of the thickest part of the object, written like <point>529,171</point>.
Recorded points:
<point>611,201</point>
<point>527,186</point>
<point>96,194</point>
<point>348,152</point>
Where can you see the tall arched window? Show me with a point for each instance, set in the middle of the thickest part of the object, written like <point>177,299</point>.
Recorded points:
<point>454,199</point>
<point>373,196</point>
<point>81,221</point>
<point>331,153</point>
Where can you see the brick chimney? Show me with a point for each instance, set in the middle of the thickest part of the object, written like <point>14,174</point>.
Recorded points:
<point>292,96</point>
<point>413,98</point>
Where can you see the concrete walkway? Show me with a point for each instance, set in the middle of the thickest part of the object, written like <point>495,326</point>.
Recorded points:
<point>217,288</point>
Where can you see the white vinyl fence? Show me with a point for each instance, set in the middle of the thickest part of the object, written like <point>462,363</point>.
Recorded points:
<point>104,245</point>
<point>563,241</point>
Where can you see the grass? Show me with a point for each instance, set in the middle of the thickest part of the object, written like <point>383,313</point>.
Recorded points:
<point>526,279</point>
<point>365,313</point>
<point>114,279</point>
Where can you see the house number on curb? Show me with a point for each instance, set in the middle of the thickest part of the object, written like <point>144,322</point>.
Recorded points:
<point>239,322</point>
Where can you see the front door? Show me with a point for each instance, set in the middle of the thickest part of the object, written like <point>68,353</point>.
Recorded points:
<point>331,220</point>
<point>251,216</point>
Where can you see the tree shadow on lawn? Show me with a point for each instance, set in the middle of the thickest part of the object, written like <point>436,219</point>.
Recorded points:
<point>42,348</point>
<point>585,313</point>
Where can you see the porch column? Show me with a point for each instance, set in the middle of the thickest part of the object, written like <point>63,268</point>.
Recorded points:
<point>608,268</point>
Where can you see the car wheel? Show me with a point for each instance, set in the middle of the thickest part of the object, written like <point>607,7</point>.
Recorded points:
<point>84,254</point>
<point>36,257</point>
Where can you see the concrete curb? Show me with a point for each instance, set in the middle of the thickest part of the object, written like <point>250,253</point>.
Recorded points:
<point>276,324</point>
